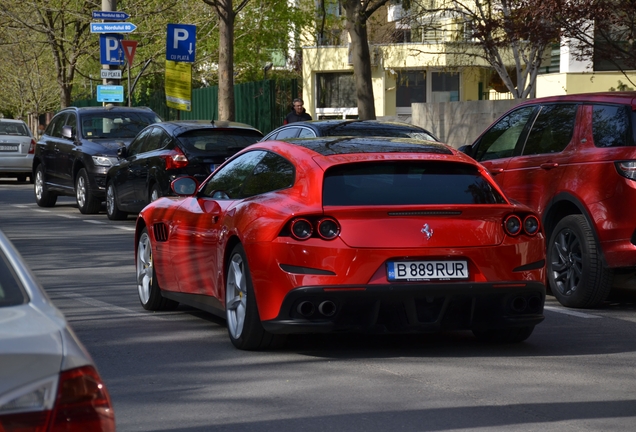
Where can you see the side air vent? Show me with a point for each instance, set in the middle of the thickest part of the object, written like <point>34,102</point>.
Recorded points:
<point>161,232</point>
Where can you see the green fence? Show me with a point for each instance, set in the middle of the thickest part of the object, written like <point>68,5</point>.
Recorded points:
<point>262,104</point>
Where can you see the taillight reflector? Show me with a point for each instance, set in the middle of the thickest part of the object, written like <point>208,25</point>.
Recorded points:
<point>175,159</point>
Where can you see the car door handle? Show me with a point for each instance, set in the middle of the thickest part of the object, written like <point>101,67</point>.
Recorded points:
<point>549,165</point>
<point>495,171</point>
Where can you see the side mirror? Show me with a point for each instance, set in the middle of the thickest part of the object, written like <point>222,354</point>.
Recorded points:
<point>184,186</point>
<point>122,151</point>
<point>67,132</point>
<point>467,149</point>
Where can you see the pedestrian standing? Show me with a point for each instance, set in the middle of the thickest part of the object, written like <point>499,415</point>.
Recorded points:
<point>298,112</point>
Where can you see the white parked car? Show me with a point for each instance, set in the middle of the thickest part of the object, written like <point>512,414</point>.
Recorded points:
<point>17,147</point>
<point>48,381</point>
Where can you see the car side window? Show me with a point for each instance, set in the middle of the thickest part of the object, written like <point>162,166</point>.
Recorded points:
<point>135,147</point>
<point>501,139</point>
<point>227,182</point>
<point>291,132</point>
<point>71,121</point>
<point>306,133</point>
<point>610,125</point>
<point>157,140</point>
<point>55,127</point>
<point>552,130</point>
<point>273,172</point>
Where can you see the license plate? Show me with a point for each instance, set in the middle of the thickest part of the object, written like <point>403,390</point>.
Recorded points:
<point>9,147</point>
<point>426,270</point>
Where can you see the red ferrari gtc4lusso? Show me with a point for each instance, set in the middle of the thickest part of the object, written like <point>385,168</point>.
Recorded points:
<point>345,234</point>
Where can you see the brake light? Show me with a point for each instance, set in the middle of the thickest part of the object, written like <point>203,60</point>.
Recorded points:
<point>626,169</point>
<point>82,403</point>
<point>175,159</point>
<point>513,225</point>
<point>303,228</point>
<point>32,147</point>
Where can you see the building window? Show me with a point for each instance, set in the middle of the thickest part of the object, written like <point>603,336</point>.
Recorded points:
<point>444,87</point>
<point>335,90</point>
<point>410,88</point>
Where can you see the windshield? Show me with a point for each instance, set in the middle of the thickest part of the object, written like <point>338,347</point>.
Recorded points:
<point>116,124</point>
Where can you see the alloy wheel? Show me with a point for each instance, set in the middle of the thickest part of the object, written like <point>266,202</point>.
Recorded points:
<point>144,268</point>
<point>110,200</point>
<point>236,296</point>
<point>567,262</point>
<point>39,185</point>
<point>81,191</point>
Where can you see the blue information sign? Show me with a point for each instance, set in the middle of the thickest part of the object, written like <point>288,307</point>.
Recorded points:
<point>110,93</point>
<point>181,42</point>
<point>113,27</point>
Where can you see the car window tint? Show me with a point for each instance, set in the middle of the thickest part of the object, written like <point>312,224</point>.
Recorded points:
<point>552,130</point>
<point>55,128</point>
<point>407,183</point>
<point>227,182</point>
<point>290,132</point>
<point>158,139</point>
<point>11,291</point>
<point>137,144</point>
<point>14,128</point>
<point>501,139</point>
<point>306,133</point>
<point>217,142</point>
<point>71,121</point>
<point>610,126</point>
<point>272,173</point>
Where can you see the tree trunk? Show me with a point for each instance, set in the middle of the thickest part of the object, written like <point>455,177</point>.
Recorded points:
<point>226,60</point>
<point>361,58</point>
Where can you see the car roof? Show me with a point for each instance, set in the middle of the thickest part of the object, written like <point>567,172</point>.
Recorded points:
<point>109,108</point>
<point>610,97</point>
<point>6,120</point>
<point>178,127</point>
<point>327,146</point>
<point>327,125</point>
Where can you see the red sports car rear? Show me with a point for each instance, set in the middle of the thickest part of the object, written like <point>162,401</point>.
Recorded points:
<point>346,234</point>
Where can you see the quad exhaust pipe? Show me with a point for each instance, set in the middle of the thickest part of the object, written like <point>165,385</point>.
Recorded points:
<point>326,308</point>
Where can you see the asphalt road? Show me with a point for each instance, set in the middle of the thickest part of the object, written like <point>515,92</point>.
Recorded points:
<point>177,371</point>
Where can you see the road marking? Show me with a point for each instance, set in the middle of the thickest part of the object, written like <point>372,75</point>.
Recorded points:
<point>20,205</point>
<point>68,216</point>
<point>94,221</point>
<point>117,309</point>
<point>41,211</point>
<point>125,228</point>
<point>570,312</point>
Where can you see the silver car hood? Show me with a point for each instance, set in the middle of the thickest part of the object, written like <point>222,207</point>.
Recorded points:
<point>35,343</point>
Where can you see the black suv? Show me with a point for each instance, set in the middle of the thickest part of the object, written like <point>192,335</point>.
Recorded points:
<point>78,147</point>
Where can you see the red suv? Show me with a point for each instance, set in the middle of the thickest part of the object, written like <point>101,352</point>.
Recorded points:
<point>573,159</point>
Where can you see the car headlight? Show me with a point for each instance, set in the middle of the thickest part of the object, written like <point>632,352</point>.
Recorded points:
<point>105,161</point>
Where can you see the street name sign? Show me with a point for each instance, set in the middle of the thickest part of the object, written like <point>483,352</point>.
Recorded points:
<point>113,27</point>
<point>181,42</point>
<point>110,15</point>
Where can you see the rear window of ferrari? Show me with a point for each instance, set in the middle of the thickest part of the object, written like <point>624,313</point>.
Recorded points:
<point>407,183</point>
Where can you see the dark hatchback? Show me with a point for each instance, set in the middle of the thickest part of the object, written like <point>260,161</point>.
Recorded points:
<point>164,151</point>
<point>321,128</point>
<point>78,147</point>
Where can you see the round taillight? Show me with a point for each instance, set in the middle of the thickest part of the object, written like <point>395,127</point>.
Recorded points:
<point>301,229</point>
<point>328,228</point>
<point>531,225</point>
<point>512,225</point>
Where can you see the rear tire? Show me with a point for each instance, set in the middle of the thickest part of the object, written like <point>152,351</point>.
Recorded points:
<point>576,273</point>
<point>243,322</point>
<point>43,197</point>
<point>112,211</point>
<point>86,202</point>
<point>155,193</point>
<point>504,336</point>
<point>147,285</point>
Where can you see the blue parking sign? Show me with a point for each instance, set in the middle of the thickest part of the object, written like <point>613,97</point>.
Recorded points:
<point>181,42</point>
<point>110,49</point>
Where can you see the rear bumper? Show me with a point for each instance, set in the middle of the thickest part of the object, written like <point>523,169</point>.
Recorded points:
<point>16,164</point>
<point>410,308</point>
